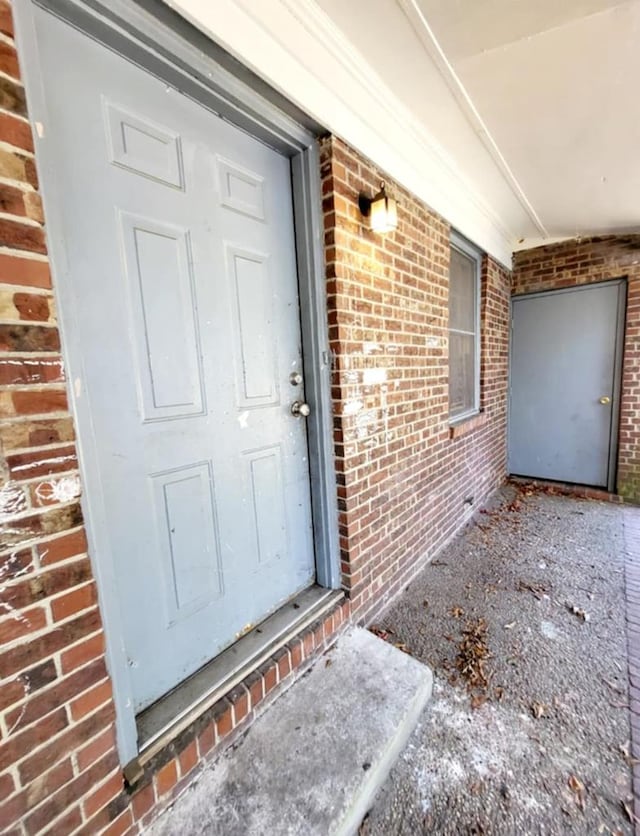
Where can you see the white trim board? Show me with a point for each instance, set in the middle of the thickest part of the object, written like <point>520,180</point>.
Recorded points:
<point>316,67</point>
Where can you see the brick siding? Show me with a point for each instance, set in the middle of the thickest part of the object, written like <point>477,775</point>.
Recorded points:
<point>573,263</point>
<point>59,767</point>
<point>407,481</point>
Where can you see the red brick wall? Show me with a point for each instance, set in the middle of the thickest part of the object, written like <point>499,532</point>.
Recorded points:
<point>403,482</point>
<point>59,767</point>
<point>402,478</point>
<point>56,714</point>
<point>572,263</point>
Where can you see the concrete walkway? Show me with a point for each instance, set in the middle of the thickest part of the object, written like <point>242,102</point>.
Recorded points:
<point>313,762</point>
<point>522,620</point>
<point>530,621</point>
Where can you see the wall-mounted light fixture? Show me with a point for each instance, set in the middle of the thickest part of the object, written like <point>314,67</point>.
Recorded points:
<point>381,210</point>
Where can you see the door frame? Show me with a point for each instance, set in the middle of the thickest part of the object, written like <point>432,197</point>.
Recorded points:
<point>621,312</point>
<point>154,37</point>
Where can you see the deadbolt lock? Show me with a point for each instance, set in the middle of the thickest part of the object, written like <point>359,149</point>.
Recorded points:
<point>295,378</point>
<point>605,399</point>
<point>300,409</point>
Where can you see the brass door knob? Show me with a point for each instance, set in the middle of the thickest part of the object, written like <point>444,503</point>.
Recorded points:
<point>605,399</point>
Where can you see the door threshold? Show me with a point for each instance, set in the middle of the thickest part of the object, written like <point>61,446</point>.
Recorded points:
<point>170,715</point>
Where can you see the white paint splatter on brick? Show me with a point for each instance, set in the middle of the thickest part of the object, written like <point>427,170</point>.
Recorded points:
<point>372,376</point>
<point>9,567</point>
<point>352,407</point>
<point>36,364</point>
<point>366,423</point>
<point>40,462</point>
<point>12,501</point>
<point>59,490</point>
<point>23,679</point>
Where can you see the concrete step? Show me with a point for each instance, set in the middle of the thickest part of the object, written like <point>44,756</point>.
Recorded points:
<point>312,763</point>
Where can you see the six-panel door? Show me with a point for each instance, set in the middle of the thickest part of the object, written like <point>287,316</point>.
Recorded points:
<point>183,321</point>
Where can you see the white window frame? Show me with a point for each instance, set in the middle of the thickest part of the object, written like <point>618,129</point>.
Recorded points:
<point>457,242</point>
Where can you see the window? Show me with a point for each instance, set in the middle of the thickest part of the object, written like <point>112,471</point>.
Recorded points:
<point>464,330</point>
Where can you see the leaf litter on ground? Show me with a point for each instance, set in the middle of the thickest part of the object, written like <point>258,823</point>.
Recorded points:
<point>388,636</point>
<point>473,653</point>
<point>539,590</point>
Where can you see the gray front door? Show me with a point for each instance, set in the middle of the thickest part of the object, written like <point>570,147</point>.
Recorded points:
<point>180,307</point>
<point>565,356</point>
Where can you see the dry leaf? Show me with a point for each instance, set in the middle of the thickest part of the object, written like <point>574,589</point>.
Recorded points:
<point>478,700</point>
<point>577,788</point>
<point>456,612</point>
<point>580,613</point>
<point>624,749</point>
<point>328,663</point>
<point>364,829</point>
<point>630,814</point>
<point>539,709</point>
<point>575,784</point>
<point>605,829</point>
<point>537,589</point>
<point>612,685</point>
<point>379,632</point>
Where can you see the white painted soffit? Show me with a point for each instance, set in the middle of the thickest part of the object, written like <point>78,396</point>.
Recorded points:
<point>556,85</point>
<point>297,48</point>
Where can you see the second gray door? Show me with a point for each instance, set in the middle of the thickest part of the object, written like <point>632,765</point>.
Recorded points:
<point>565,356</point>
<point>180,304</point>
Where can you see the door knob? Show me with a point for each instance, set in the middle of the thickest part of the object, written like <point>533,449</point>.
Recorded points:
<point>605,399</point>
<point>300,409</point>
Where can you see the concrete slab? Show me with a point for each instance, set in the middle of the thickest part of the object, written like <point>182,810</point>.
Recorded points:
<point>312,763</point>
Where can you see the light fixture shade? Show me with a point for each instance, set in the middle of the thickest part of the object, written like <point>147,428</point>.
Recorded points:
<point>381,210</point>
<point>384,212</point>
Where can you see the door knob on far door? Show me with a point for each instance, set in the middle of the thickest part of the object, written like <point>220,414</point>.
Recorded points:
<point>605,399</point>
<point>300,409</point>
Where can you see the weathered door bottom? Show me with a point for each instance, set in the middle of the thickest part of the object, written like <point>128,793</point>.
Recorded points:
<point>169,716</point>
